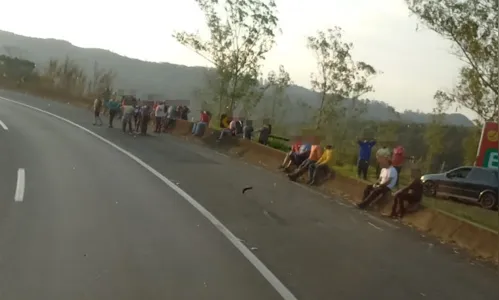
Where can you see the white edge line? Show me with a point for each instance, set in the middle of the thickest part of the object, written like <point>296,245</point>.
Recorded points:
<point>21,182</point>
<point>380,229</point>
<point>374,218</point>
<point>2,124</point>
<point>266,273</point>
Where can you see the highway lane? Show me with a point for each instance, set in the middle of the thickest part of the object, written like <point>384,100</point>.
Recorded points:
<point>320,248</point>
<point>94,224</point>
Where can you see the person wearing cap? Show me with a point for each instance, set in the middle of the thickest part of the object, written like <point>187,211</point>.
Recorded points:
<point>321,166</point>
<point>386,182</point>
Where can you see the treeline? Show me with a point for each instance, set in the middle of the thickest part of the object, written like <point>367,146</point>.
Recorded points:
<point>58,78</point>
<point>242,33</point>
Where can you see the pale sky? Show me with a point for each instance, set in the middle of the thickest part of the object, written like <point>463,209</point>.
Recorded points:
<point>414,64</point>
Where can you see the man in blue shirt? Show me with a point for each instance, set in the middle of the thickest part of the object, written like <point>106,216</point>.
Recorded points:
<point>365,147</point>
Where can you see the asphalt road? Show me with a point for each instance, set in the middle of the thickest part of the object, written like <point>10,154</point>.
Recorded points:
<point>94,224</point>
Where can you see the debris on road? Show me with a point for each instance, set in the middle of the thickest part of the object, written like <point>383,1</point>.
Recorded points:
<point>247,189</point>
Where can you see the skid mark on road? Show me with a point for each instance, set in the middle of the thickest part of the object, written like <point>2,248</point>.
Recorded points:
<point>283,291</point>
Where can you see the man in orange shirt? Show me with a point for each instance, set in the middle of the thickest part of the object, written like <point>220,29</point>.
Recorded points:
<point>315,155</point>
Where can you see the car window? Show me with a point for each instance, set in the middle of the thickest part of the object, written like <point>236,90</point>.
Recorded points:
<point>484,175</point>
<point>459,173</point>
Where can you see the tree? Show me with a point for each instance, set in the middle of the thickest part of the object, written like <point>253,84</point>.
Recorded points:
<point>280,82</point>
<point>470,145</point>
<point>241,32</point>
<point>16,69</point>
<point>434,136</point>
<point>338,76</point>
<point>471,27</point>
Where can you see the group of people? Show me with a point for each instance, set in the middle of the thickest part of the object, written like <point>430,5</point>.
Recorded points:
<point>363,161</point>
<point>165,115</point>
<point>387,183</point>
<point>244,128</point>
<point>318,162</point>
<point>308,156</point>
<point>303,156</point>
<point>135,114</point>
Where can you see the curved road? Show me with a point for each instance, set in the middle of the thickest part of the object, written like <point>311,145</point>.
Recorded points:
<point>94,224</point>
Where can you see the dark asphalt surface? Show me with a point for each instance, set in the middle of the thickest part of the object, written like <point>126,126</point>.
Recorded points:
<point>96,225</point>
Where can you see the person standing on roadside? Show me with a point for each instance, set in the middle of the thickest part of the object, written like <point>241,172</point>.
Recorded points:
<point>365,149</point>
<point>378,167</point>
<point>145,115</point>
<point>128,109</point>
<point>398,159</point>
<point>171,116</point>
<point>114,108</point>
<point>97,110</point>
<point>159,114</point>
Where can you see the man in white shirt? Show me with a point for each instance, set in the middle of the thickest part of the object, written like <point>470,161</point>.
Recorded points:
<point>159,114</point>
<point>386,182</point>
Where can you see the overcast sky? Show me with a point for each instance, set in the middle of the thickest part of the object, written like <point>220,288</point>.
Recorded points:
<point>414,64</point>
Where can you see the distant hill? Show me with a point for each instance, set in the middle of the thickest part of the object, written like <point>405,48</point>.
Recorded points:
<point>177,81</point>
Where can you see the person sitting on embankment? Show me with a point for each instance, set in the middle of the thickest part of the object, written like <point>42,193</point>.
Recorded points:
<point>314,156</point>
<point>323,165</point>
<point>295,148</point>
<point>386,182</point>
<point>412,194</point>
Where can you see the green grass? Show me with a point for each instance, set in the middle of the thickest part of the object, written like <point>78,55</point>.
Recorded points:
<point>475,214</point>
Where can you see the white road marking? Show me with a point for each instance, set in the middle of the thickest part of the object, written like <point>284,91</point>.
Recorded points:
<point>374,218</point>
<point>2,124</point>
<point>380,229</point>
<point>264,271</point>
<point>21,182</point>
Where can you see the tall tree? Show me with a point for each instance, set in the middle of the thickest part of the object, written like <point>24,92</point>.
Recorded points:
<point>434,137</point>
<point>472,28</point>
<point>470,145</point>
<point>338,76</point>
<point>280,82</point>
<point>241,32</point>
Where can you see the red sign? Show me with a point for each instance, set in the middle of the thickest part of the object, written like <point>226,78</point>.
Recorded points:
<point>487,148</point>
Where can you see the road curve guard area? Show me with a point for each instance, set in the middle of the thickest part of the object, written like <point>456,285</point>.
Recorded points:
<point>480,241</point>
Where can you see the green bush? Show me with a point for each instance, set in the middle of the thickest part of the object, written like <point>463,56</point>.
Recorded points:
<point>279,145</point>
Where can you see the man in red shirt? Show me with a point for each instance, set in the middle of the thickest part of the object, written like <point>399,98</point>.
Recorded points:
<point>398,158</point>
<point>199,127</point>
<point>295,148</point>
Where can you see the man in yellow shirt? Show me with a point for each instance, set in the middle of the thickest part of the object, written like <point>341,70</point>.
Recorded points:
<point>322,165</point>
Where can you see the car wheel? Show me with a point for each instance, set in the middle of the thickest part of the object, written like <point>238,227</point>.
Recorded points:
<point>488,200</point>
<point>429,189</point>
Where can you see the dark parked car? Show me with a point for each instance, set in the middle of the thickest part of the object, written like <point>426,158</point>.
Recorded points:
<point>470,184</point>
